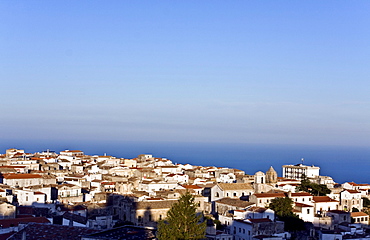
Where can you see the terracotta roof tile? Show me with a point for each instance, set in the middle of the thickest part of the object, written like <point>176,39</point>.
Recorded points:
<point>358,214</point>
<point>323,199</point>
<point>21,176</point>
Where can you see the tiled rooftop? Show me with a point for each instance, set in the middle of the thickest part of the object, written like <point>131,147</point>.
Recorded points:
<point>39,231</point>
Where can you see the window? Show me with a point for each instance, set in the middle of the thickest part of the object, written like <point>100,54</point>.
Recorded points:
<point>308,211</point>
<point>234,194</point>
<point>160,217</point>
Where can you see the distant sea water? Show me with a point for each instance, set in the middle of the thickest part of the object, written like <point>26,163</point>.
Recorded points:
<point>341,163</point>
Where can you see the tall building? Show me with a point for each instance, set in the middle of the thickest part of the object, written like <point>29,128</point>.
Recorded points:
<point>271,176</point>
<point>300,170</point>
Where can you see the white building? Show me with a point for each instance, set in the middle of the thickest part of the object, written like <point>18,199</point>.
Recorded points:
<point>323,204</point>
<point>360,217</point>
<point>249,229</point>
<point>27,197</point>
<point>350,199</point>
<point>300,170</point>
<point>21,180</point>
<point>305,212</point>
<point>231,190</point>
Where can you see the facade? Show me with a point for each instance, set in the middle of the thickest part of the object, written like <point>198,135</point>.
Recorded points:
<point>225,205</point>
<point>304,211</point>
<point>350,199</point>
<point>360,217</point>
<point>21,180</point>
<point>299,171</point>
<point>253,228</point>
<point>7,210</point>
<point>323,204</point>
<point>231,190</point>
<point>339,217</point>
<point>150,212</point>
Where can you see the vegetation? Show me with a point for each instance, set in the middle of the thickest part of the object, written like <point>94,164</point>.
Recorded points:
<point>182,221</point>
<point>283,208</point>
<point>366,202</point>
<point>313,188</point>
<point>355,209</point>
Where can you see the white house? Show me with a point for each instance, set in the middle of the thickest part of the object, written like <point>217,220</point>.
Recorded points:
<point>180,178</point>
<point>304,211</point>
<point>27,197</point>
<point>255,213</point>
<point>350,199</point>
<point>21,180</point>
<point>249,229</point>
<point>226,178</point>
<point>231,190</point>
<point>323,204</point>
<point>360,217</point>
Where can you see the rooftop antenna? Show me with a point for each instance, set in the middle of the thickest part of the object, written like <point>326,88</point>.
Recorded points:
<point>302,159</point>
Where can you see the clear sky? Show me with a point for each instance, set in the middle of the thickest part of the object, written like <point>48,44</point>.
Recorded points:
<point>287,72</point>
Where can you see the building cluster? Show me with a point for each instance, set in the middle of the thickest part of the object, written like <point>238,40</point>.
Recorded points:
<point>104,197</point>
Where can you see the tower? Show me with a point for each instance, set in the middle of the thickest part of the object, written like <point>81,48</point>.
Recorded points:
<point>271,176</point>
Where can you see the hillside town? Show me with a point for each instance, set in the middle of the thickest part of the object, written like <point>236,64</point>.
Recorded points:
<point>71,195</point>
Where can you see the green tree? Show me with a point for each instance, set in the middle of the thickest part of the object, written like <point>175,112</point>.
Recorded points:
<point>182,221</point>
<point>283,208</point>
<point>366,202</point>
<point>313,188</point>
<point>355,209</point>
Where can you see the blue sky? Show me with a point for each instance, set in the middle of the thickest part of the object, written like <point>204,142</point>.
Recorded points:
<point>271,72</point>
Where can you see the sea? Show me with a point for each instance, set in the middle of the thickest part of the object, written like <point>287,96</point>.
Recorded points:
<point>343,164</point>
